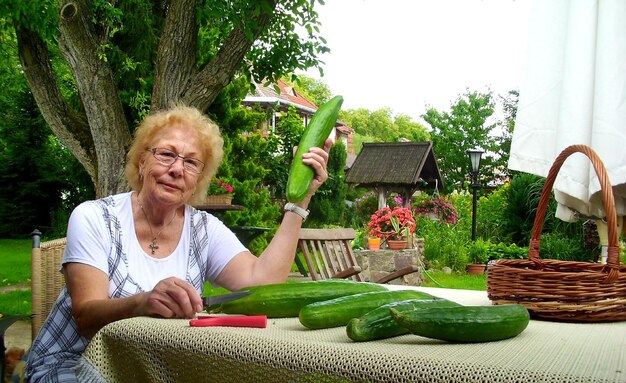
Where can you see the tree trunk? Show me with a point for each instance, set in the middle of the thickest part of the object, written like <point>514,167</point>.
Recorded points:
<point>35,60</point>
<point>99,135</point>
<point>98,92</point>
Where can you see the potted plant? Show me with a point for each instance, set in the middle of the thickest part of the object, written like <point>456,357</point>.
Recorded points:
<point>438,209</point>
<point>392,225</point>
<point>219,192</point>
<point>478,252</point>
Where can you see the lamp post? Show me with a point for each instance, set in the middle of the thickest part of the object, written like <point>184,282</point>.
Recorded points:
<point>474,156</point>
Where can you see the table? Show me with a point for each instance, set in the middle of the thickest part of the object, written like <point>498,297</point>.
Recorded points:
<point>218,208</point>
<point>162,350</point>
<point>245,233</point>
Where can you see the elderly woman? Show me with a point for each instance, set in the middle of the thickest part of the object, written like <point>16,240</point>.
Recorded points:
<point>148,252</point>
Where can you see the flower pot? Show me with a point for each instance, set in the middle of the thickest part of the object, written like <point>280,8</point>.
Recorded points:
<point>476,268</point>
<point>219,199</point>
<point>373,243</point>
<point>395,244</point>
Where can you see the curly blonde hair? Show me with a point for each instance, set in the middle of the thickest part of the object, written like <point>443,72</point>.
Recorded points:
<point>210,139</point>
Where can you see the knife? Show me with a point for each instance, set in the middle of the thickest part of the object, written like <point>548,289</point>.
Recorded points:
<point>217,299</point>
<point>259,321</point>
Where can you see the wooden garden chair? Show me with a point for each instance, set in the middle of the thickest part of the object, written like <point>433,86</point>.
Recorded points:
<point>328,254</point>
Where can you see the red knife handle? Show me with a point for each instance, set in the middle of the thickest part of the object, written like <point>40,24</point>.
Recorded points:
<point>259,321</point>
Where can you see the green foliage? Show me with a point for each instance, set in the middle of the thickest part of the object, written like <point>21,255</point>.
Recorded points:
<point>40,182</point>
<point>247,164</point>
<point>490,217</point>
<point>481,251</point>
<point>280,50</point>
<point>381,126</point>
<point>313,90</point>
<point>509,107</point>
<point>444,245</point>
<point>478,251</point>
<point>557,245</point>
<point>40,16</point>
<point>328,204</point>
<point>465,126</point>
<point>367,203</point>
<point>289,129</point>
<point>518,214</point>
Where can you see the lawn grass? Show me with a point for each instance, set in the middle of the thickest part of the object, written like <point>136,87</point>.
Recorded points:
<point>455,280</point>
<point>16,302</point>
<point>15,261</point>
<point>15,270</point>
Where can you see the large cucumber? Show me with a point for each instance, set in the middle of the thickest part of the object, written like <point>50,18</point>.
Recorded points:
<point>283,300</point>
<point>315,134</point>
<point>338,312</point>
<point>465,324</point>
<point>378,323</point>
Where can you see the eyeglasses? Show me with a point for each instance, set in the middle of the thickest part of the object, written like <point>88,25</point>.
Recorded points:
<point>168,157</point>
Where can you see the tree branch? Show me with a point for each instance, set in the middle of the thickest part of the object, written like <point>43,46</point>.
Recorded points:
<point>176,55</point>
<point>206,85</point>
<point>70,128</point>
<point>79,45</point>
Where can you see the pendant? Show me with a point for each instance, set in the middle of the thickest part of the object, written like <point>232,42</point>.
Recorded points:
<point>153,245</point>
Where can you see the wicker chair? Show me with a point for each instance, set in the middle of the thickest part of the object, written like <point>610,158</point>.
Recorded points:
<point>328,254</point>
<point>47,280</point>
<point>46,284</point>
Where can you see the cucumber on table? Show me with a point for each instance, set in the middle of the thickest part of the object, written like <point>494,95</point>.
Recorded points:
<point>466,323</point>
<point>283,300</point>
<point>315,134</point>
<point>378,323</point>
<point>338,312</point>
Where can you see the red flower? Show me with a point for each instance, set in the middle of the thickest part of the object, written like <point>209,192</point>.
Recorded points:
<point>440,208</point>
<point>391,223</point>
<point>217,187</point>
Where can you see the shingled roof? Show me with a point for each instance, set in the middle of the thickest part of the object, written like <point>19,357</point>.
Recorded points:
<point>396,166</point>
<point>286,96</point>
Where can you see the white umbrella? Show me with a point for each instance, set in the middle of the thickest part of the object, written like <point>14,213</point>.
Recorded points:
<point>574,92</point>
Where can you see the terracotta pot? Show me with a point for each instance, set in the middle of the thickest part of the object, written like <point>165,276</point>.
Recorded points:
<point>374,243</point>
<point>395,244</point>
<point>476,268</point>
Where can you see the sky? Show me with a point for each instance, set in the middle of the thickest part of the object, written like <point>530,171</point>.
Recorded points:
<point>410,54</point>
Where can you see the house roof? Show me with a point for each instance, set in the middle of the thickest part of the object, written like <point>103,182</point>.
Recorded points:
<point>396,165</point>
<point>287,95</point>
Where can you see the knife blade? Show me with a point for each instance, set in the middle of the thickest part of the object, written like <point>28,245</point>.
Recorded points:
<point>217,299</point>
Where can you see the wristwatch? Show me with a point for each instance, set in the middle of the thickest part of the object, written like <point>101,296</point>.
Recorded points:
<point>292,207</point>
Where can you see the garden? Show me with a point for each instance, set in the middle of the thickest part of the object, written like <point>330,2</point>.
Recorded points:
<point>505,217</point>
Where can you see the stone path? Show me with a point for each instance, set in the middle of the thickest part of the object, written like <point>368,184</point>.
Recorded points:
<point>18,335</point>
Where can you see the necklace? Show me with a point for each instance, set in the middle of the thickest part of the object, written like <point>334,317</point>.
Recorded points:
<point>153,244</point>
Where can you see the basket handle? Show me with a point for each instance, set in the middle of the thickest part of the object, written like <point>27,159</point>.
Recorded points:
<point>607,198</point>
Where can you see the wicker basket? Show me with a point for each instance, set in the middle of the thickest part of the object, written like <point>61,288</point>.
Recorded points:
<point>564,290</point>
<point>219,199</point>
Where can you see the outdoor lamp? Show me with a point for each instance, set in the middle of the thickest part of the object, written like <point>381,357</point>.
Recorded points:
<point>474,157</point>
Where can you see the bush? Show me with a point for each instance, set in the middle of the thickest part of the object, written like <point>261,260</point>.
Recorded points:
<point>444,245</point>
<point>367,204</point>
<point>560,247</point>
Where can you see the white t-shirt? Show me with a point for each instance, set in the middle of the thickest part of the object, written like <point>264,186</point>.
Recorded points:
<point>89,242</point>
